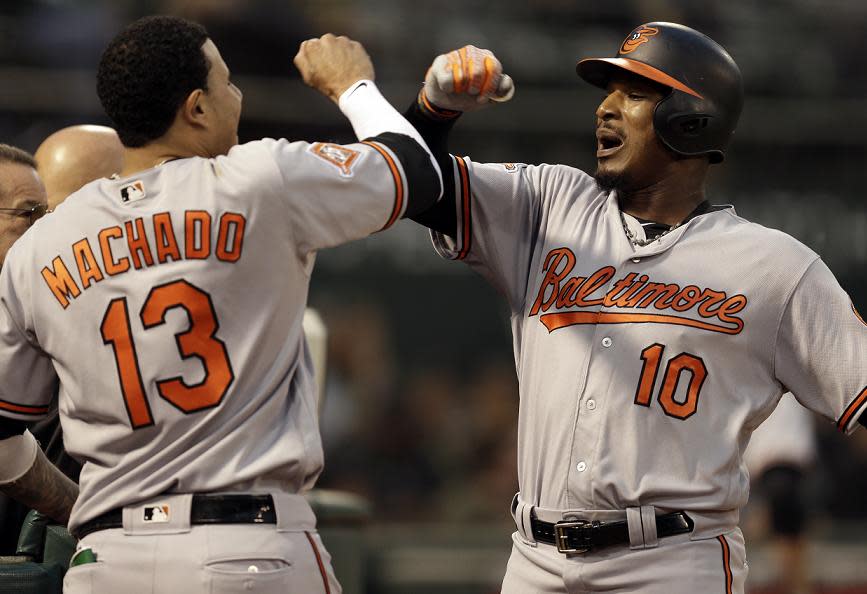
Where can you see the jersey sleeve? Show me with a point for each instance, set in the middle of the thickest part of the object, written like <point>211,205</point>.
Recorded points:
<point>338,193</point>
<point>821,353</point>
<point>501,210</point>
<point>27,377</point>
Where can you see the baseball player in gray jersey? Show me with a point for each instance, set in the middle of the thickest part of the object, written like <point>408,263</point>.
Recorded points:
<point>652,330</point>
<point>167,305</point>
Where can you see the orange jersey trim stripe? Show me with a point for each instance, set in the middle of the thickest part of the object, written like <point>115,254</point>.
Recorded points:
<point>22,409</point>
<point>850,410</point>
<point>319,562</point>
<point>466,212</point>
<point>398,184</point>
<point>554,321</point>
<point>726,555</point>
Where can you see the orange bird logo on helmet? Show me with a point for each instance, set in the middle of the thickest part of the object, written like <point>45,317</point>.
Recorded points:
<point>636,38</point>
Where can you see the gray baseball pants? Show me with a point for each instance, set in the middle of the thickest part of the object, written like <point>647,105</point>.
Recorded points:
<point>174,557</point>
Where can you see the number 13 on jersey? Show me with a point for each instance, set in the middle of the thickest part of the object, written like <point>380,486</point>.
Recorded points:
<point>199,340</point>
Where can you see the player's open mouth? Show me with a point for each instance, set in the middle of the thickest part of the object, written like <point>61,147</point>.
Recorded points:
<point>608,142</point>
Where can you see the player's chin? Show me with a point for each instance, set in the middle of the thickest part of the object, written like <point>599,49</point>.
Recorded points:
<point>610,178</point>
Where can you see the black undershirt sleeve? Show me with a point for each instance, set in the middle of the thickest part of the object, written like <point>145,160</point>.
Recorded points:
<point>421,177</point>
<point>863,418</point>
<point>441,216</point>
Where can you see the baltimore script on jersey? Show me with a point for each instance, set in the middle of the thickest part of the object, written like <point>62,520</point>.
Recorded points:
<point>204,235</point>
<point>629,292</point>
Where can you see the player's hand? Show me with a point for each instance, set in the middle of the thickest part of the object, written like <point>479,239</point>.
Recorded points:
<point>332,64</point>
<point>467,79</point>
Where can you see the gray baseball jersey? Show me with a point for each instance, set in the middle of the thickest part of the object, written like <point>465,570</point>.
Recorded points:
<point>169,305</point>
<point>643,370</point>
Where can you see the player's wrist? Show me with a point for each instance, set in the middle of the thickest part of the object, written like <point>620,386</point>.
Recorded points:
<point>432,111</point>
<point>371,114</point>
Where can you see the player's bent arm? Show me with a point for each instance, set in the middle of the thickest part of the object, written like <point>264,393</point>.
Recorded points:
<point>372,117</point>
<point>434,126</point>
<point>29,478</point>
<point>825,370</point>
<point>465,79</point>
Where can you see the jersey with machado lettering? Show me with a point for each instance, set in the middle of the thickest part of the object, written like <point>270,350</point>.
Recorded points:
<point>169,306</point>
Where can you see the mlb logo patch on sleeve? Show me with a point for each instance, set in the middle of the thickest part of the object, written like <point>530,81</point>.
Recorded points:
<point>342,157</point>
<point>132,192</point>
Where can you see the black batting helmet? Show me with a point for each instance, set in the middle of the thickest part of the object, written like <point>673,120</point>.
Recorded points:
<point>699,115</point>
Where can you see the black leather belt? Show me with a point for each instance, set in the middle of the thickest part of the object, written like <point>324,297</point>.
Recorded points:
<point>206,509</point>
<point>580,536</point>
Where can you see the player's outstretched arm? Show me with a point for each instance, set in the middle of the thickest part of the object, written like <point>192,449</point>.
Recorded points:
<point>34,481</point>
<point>466,79</point>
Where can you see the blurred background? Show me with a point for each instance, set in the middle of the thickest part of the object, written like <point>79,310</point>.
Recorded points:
<point>420,410</point>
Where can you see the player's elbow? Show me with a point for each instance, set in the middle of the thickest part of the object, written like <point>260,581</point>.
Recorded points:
<point>423,178</point>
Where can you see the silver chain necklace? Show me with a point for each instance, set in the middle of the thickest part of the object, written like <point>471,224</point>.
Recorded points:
<point>635,241</point>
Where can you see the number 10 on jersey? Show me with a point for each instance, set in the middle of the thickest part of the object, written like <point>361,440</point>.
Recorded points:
<point>683,363</point>
<point>199,340</point>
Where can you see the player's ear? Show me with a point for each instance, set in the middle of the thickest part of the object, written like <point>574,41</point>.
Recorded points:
<point>193,108</point>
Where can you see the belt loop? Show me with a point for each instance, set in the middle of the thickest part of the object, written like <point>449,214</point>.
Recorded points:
<point>636,532</point>
<point>294,513</point>
<point>648,523</point>
<point>522,513</point>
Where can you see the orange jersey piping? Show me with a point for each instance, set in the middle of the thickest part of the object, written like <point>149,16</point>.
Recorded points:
<point>398,184</point>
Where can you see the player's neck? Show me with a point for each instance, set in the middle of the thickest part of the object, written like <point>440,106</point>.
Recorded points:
<point>162,150</point>
<point>136,160</point>
<point>667,209</point>
<point>668,200</point>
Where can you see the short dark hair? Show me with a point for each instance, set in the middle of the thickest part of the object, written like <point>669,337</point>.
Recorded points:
<point>146,73</point>
<point>13,154</point>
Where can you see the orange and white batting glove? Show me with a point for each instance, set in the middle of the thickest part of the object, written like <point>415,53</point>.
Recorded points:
<point>466,79</point>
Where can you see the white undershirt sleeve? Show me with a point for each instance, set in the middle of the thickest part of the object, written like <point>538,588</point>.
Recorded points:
<point>371,114</point>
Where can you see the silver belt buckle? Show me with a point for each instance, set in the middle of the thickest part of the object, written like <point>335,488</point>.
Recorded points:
<point>562,539</point>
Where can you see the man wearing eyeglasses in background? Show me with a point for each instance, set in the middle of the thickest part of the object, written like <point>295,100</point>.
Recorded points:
<point>22,195</point>
<point>22,200</point>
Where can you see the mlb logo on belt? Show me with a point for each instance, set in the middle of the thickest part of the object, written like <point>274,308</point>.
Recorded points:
<point>156,514</point>
<point>132,192</point>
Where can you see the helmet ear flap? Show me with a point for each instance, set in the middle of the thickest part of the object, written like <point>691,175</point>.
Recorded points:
<point>684,123</point>
<point>691,124</point>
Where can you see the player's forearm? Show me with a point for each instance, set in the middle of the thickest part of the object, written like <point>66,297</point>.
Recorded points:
<point>44,488</point>
<point>373,118</point>
<point>435,131</point>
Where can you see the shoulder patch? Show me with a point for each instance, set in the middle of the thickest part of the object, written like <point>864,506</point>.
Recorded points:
<point>510,167</point>
<point>342,157</point>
